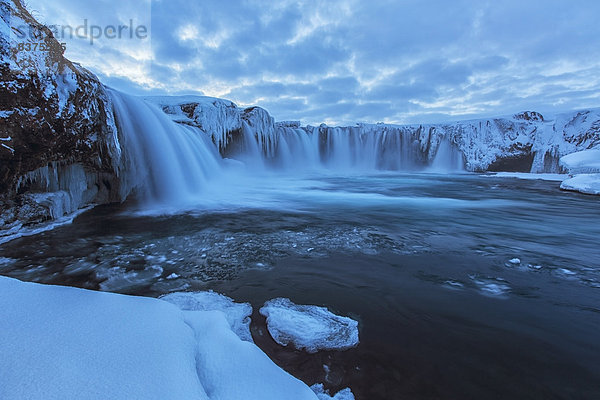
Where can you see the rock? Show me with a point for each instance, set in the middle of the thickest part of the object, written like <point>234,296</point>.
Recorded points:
<point>57,127</point>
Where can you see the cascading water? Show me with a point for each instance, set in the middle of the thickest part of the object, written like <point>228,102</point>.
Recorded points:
<point>165,162</point>
<point>447,158</point>
<point>350,149</point>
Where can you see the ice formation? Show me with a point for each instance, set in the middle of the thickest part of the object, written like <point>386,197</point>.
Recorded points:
<point>237,314</point>
<point>583,183</point>
<point>309,327</point>
<point>585,165</point>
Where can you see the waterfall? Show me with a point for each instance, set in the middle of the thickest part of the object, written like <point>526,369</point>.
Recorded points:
<point>165,162</point>
<point>359,149</point>
<point>170,163</point>
<point>448,158</point>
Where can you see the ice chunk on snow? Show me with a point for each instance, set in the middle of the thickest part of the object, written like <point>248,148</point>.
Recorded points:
<point>584,183</point>
<point>68,343</point>
<point>237,314</point>
<point>322,394</point>
<point>309,327</point>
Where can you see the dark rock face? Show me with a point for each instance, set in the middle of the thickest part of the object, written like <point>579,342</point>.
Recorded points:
<point>54,115</point>
<point>530,116</point>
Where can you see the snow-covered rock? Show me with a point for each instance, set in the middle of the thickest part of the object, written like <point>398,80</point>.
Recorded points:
<point>57,129</point>
<point>218,118</point>
<point>68,343</point>
<point>583,183</point>
<point>237,314</point>
<point>309,327</point>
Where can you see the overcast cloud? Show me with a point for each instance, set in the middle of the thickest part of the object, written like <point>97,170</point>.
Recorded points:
<point>349,61</point>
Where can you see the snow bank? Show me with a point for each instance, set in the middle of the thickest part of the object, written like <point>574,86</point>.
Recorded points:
<point>584,183</point>
<point>528,176</point>
<point>307,327</point>
<point>237,314</point>
<point>586,165</point>
<point>67,343</point>
<point>582,162</point>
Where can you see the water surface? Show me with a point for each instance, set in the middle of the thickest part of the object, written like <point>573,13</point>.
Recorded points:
<point>426,263</point>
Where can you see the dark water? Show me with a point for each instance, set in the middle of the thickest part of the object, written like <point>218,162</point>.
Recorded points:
<point>421,261</point>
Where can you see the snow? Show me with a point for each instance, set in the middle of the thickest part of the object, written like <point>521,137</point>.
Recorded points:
<point>586,167</point>
<point>215,117</point>
<point>237,314</point>
<point>584,183</point>
<point>582,162</point>
<point>68,343</point>
<point>309,327</point>
<point>322,394</point>
<point>528,176</point>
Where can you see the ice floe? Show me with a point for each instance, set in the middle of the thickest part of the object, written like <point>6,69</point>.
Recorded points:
<point>308,327</point>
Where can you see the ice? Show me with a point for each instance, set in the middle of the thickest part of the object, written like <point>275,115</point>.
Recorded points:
<point>68,343</point>
<point>322,394</point>
<point>309,327</point>
<point>237,314</point>
<point>582,162</point>
<point>515,261</point>
<point>528,176</point>
<point>586,167</point>
<point>20,231</point>
<point>497,287</point>
<point>116,279</point>
<point>583,183</point>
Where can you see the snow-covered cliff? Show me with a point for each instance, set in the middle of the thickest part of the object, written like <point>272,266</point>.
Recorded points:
<point>525,142</point>
<point>59,149</point>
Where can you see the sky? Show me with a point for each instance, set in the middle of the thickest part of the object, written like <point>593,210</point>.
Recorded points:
<point>342,62</point>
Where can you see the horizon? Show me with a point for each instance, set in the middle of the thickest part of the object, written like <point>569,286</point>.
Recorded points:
<point>335,63</point>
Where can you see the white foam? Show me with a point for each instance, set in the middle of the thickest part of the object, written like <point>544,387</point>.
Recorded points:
<point>309,327</point>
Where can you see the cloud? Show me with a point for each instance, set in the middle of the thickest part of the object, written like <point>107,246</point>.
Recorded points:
<point>345,61</point>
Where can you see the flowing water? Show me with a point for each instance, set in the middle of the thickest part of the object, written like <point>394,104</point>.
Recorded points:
<point>465,286</point>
